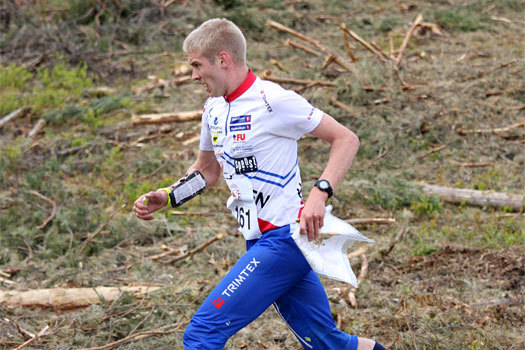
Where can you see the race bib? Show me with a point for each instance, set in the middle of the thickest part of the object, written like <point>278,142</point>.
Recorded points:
<point>242,205</point>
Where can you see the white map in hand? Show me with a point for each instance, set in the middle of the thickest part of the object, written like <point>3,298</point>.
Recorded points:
<point>329,258</point>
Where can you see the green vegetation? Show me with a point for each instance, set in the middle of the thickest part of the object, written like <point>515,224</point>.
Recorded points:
<point>48,88</point>
<point>455,20</point>
<point>444,276</point>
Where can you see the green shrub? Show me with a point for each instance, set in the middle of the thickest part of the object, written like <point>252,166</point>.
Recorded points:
<point>455,20</point>
<point>426,205</point>
<point>59,85</point>
<point>13,76</point>
<point>13,82</point>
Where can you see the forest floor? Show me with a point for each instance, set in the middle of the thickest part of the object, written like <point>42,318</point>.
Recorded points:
<point>439,275</point>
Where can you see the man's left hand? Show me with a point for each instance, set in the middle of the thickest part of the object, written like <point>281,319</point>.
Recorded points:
<point>312,216</point>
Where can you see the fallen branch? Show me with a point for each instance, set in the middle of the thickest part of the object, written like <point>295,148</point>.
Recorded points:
<point>14,114</point>
<point>161,118</point>
<point>53,210</point>
<point>433,150</point>
<point>116,53</point>
<point>38,126</point>
<point>99,229</point>
<point>278,65</point>
<point>343,106</point>
<point>162,83</point>
<point>6,281</point>
<point>28,342</point>
<point>170,251</point>
<point>347,46</point>
<point>196,250</point>
<point>371,221</point>
<point>394,242</point>
<point>358,252</point>
<point>482,74</point>
<point>338,59</point>
<point>475,197</point>
<point>362,275</point>
<point>475,165</point>
<point>69,298</point>
<point>381,55</point>
<point>267,76</point>
<point>490,131</point>
<point>23,332</point>
<point>515,108</point>
<point>418,21</point>
<point>300,46</point>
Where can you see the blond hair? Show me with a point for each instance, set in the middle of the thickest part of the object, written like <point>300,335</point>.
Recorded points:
<point>216,35</point>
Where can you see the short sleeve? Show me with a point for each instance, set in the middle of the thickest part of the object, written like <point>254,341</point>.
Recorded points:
<point>293,116</point>
<point>205,141</point>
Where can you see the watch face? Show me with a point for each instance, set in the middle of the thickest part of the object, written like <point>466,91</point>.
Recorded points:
<point>323,185</point>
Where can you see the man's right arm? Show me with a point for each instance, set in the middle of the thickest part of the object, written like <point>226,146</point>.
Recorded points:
<point>208,166</point>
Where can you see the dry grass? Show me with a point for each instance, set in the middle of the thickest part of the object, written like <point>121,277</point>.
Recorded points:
<point>454,280</point>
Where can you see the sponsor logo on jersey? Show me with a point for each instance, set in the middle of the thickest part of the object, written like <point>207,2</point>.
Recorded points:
<point>218,302</point>
<point>239,137</point>
<point>237,282</point>
<point>241,119</point>
<point>245,165</point>
<point>268,107</point>
<point>241,127</point>
<point>242,149</point>
<point>311,113</point>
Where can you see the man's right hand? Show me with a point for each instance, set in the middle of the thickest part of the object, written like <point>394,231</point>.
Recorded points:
<point>149,203</point>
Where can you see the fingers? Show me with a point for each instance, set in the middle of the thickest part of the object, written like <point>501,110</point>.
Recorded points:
<point>140,207</point>
<point>311,225</point>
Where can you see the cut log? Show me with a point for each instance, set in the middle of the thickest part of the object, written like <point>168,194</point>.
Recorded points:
<point>161,118</point>
<point>69,298</point>
<point>475,197</point>
<point>16,113</point>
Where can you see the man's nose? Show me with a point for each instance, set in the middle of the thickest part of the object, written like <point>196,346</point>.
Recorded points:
<point>195,75</point>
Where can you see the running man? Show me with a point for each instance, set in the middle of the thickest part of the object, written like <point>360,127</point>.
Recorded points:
<point>249,134</point>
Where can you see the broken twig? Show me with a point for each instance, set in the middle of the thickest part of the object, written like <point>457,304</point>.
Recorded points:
<point>362,275</point>
<point>267,76</point>
<point>196,250</point>
<point>418,20</point>
<point>492,131</point>
<point>53,211</point>
<point>338,59</point>
<point>99,229</point>
<point>383,57</point>
<point>300,46</point>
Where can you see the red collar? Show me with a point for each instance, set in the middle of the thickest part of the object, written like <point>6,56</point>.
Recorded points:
<point>241,89</point>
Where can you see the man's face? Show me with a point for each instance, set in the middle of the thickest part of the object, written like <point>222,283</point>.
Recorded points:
<point>207,73</point>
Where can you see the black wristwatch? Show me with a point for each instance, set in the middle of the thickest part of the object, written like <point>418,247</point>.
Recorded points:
<point>325,186</point>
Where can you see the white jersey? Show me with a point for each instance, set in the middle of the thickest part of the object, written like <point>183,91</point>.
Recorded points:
<point>253,133</point>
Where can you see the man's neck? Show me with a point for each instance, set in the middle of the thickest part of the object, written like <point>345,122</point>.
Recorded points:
<point>237,76</point>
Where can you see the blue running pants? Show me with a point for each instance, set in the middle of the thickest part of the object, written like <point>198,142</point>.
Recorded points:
<point>272,271</point>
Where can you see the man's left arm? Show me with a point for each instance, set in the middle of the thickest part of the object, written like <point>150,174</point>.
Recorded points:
<point>344,146</point>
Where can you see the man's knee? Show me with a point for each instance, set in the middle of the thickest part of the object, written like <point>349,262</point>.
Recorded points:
<point>199,335</point>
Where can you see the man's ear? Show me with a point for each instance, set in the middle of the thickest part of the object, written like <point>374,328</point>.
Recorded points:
<point>223,59</point>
